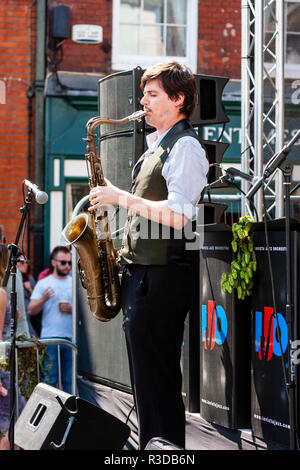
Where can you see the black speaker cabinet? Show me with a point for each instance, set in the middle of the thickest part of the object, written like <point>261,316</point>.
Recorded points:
<point>215,152</point>
<point>102,353</point>
<point>271,350</point>
<point>224,337</point>
<point>55,420</point>
<point>209,109</point>
<point>190,349</point>
<point>119,96</point>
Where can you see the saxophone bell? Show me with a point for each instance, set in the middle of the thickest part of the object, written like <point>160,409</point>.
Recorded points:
<point>103,302</point>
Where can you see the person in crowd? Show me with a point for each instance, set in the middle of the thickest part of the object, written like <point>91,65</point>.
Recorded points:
<point>46,272</point>
<point>158,281</point>
<point>53,295</point>
<point>5,318</point>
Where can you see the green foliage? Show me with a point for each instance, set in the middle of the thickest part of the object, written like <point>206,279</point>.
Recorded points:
<point>244,263</point>
<point>27,365</point>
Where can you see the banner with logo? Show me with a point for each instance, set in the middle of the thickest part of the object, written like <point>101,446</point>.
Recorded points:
<point>270,335</point>
<point>225,343</point>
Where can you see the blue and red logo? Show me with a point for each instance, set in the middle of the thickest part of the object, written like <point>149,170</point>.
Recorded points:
<point>214,325</point>
<point>271,331</point>
<point>271,334</point>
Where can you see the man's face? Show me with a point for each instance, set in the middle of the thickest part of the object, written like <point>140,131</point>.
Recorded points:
<point>162,112</point>
<point>62,263</point>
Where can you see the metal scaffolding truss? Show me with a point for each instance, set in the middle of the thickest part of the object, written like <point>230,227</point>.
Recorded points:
<point>262,112</point>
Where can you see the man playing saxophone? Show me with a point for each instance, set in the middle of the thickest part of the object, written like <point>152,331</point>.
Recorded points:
<point>158,281</point>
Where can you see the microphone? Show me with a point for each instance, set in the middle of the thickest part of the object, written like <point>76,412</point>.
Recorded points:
<point>231,171</point>
<point>40,196</point>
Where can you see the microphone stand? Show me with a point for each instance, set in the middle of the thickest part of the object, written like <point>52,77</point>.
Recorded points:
<point>278,161</point>
<point>12,270</point>
<point>273,164</point>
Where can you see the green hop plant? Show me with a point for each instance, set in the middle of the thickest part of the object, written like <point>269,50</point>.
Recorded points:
<point>244,263</point>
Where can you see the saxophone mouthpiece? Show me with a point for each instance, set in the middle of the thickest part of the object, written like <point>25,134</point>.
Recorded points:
<point>137,116</point>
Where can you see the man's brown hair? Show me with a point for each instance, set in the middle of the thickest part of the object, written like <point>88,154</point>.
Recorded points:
<point>175,78</point>
<point>54,252</point>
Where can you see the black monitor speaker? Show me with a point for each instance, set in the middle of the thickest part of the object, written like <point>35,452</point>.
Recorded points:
<point>55,420</point>
<point>210,108</point>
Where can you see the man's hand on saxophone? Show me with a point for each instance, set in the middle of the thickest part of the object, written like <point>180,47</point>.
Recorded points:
<point>104,196</point>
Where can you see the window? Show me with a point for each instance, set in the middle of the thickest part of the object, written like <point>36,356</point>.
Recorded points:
<point>293,33</point>
<point>149,31</point>
<point>74,193</point>
<point>292,36</point>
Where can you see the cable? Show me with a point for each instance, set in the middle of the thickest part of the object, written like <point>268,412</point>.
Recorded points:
<point>131,409</point>
<point>273,292</point>
<point>56,62</point>
<point>221,135</point>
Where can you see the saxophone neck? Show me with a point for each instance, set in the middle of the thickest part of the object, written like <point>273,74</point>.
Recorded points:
<point>96,121</point>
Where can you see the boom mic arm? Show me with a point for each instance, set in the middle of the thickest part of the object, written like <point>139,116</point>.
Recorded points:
<point>233,172</point>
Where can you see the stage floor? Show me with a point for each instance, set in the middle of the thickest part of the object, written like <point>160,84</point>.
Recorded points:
<point>200,434</point>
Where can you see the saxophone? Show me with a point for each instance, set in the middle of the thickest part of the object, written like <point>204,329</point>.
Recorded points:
<point>98,269</point>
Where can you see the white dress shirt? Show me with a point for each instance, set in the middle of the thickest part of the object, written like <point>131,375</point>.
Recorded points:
<point>184,170</point>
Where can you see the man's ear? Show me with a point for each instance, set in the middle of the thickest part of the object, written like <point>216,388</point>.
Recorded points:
<point>180,100</point>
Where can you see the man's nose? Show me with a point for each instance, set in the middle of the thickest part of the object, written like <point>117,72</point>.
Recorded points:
<point>144,100</point>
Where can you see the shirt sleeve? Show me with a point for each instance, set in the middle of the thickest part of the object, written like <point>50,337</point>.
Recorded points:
<point>37,292</point>
<point>185,173</point>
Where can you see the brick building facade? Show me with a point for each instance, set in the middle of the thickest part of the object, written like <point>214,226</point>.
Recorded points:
<point>17,32</point>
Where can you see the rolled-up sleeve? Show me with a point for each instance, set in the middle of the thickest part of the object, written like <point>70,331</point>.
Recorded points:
<point>185,172</point>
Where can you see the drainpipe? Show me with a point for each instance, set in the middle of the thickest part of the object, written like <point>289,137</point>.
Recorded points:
<point>38,225</point>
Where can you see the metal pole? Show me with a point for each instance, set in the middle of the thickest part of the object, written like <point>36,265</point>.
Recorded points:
<point>259,101</point>
<point>245,102</point>
<point>38,228</point>
<point>279,118</point>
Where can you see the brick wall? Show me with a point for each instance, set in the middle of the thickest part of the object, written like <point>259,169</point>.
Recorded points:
<point>219,38</point>
<point>17,42</point>
<point>90,58</point>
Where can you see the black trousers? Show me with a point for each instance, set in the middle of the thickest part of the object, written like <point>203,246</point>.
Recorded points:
<point>155,301</point>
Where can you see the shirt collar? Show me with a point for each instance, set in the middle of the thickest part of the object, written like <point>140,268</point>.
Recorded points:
<point>153,140</point>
